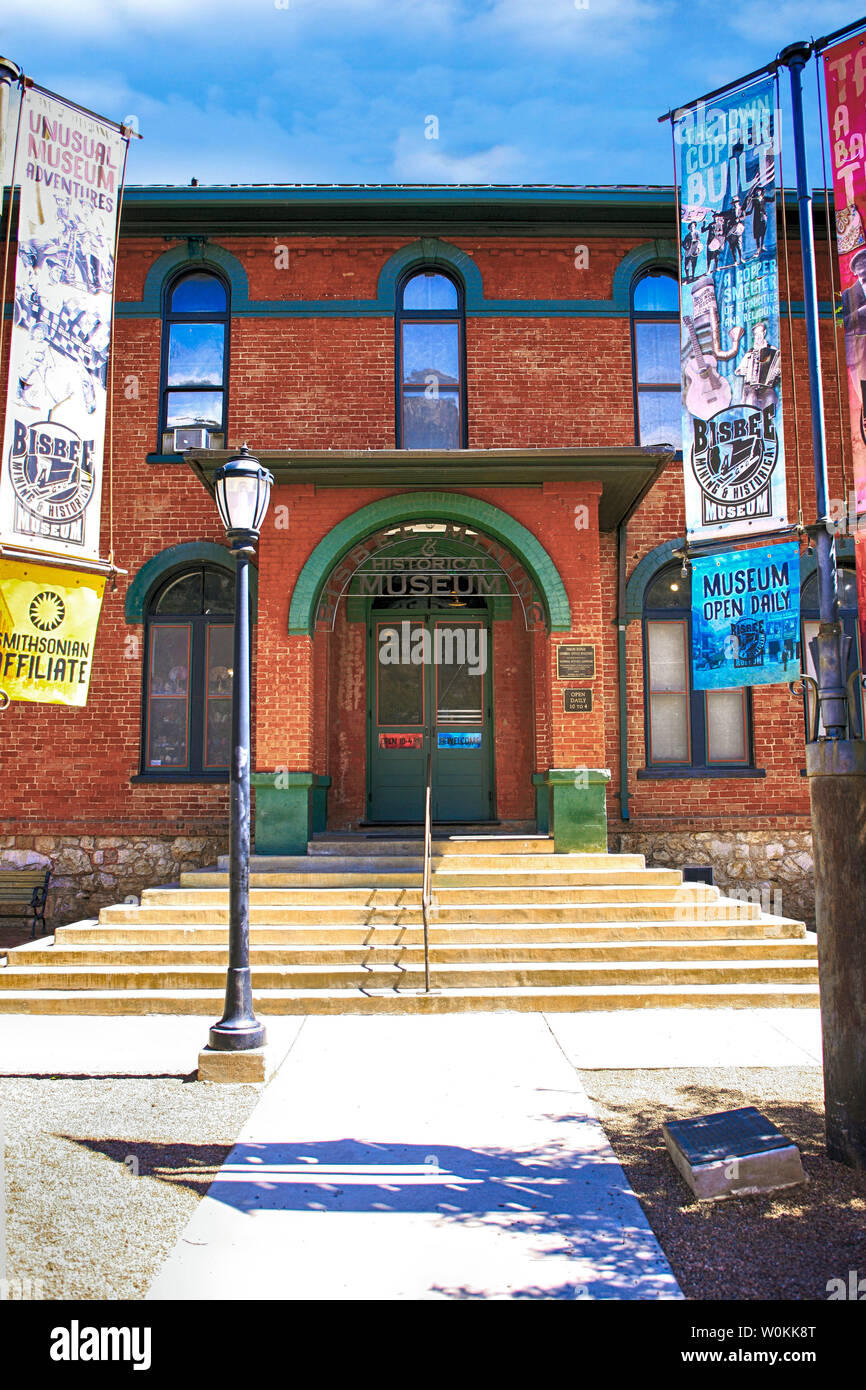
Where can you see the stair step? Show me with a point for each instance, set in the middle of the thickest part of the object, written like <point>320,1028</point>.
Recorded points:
<point>173,954</point>
<point>381,976</point>
<point>724,910</point>
<point>302,933</point>
<point>278,888</point>
<point>570,999</point>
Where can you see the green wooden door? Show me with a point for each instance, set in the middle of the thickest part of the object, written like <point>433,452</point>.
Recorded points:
<point>429,691</point>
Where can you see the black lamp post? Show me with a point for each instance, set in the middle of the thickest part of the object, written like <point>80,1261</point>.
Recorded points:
<point>243,490</point>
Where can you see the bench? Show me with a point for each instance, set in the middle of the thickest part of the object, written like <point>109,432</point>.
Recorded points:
<point>25,889</point>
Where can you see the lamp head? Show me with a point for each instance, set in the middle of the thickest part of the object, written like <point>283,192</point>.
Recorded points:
<point>243,489</point>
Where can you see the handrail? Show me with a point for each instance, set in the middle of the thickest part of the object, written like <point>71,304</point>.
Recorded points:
<point>426,895</point>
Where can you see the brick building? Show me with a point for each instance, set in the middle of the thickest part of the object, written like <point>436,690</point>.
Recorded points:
<point>469,399</point>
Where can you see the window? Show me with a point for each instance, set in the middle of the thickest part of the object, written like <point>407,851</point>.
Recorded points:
<point>431,398</point>
<point>688,730</point>
<point>847,588</point>
<point>194,355</point>
<point>655,341</point>
<point>188,675</point>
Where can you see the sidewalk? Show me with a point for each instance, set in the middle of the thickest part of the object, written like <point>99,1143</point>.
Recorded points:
<point>165,1045</point>
<point>446,1157</point>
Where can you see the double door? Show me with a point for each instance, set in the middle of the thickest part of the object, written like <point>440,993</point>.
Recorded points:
<point>430,693</point>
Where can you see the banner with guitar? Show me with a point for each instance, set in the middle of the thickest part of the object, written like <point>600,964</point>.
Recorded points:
<point>733,451</point>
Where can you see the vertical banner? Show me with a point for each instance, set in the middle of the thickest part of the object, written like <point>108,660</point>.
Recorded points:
<point>746,617</point>
<point>733,454</point>
<point>845,77</point>
<point>69,166</point>
<point>48,619</point>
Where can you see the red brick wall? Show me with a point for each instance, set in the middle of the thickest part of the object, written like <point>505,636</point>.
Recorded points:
<point>330,383</point>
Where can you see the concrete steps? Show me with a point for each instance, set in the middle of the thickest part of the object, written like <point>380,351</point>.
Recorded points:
<point>514,926</point>
<point>341,1001</point>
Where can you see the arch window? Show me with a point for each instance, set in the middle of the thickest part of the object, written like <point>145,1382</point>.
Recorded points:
<point>195,356</point>
<point>688,730</point>
<point>655,340</point>
<point>188,675</point>
<point>809,618</point>
<point>430,354</point>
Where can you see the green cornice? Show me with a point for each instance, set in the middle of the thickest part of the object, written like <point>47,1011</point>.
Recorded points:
<point>427,506</point>
<point>414,210</point>
<point>625,474</point>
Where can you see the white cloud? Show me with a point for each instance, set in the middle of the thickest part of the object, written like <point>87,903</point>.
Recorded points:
<point>417,160</point>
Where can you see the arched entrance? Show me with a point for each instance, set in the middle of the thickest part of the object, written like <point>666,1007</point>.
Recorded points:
<point>425,630</point>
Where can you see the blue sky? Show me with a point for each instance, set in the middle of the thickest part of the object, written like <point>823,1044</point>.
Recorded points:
<point>319,91</point>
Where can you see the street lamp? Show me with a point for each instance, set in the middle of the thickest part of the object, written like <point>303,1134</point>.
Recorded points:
<point>243,490</point>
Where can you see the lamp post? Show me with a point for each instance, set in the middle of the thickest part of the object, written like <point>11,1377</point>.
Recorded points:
<point>243,489</point>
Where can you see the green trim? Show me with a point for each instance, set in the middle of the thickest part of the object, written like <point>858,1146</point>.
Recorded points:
<point>181,258</point>
<point>661,253</point>
<point>429,250</point>
<point>645,571</point>
<point>427,506</point>
<point>177,557</point>
<point>425,250</point>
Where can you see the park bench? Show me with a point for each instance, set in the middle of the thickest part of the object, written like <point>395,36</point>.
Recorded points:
<point>26,890</point>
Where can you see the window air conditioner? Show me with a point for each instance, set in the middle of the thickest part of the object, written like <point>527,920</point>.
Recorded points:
<point>198,438</point>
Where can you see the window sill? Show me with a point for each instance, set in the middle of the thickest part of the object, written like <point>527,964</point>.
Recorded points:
<point>163,458</point>
<point>179,777</point>
<point>659,774</point>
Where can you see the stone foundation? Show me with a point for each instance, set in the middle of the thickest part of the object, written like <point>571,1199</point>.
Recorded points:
<point>770,867</point>
<point>92,871</point>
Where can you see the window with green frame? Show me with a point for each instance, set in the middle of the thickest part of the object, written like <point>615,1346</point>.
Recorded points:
<point>430,355</point>
<point>187,705</point>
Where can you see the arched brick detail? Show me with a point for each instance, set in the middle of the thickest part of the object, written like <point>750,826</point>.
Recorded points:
<point>428,506</point>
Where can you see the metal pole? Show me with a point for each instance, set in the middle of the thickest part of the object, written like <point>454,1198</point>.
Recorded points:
<point>239,1029</point>
<point>836,764</point>
<point>832,694</point>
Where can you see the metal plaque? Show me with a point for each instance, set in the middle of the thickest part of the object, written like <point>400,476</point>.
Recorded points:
<point>577,701</point>
<point>575,662</point>
<point>730,1134</point>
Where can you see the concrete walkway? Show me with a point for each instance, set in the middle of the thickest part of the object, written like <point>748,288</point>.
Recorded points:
<point>442,1157</point>
<point>93,1045</point>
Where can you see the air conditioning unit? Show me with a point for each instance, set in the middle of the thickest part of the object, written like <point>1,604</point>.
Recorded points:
<point>197,438</point>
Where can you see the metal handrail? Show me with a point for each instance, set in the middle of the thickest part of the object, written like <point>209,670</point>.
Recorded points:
<point>426,895</point>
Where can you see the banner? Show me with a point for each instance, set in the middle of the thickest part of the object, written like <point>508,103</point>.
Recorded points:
<point>860,565</point>
<point>733,452</point>
<point>746,617</point>
<point>48,619</point>
<point>69,166</point>
<point>845,78</point>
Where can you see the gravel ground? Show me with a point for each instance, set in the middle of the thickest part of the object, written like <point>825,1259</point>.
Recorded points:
<point>784,1245</point>
<point>103,1174</point>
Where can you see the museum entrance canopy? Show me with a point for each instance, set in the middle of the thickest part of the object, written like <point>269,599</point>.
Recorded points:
<point>625,473</point>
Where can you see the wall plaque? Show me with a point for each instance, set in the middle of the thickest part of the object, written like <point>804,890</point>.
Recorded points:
<point>575,662</point>
<point>577,701</point>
